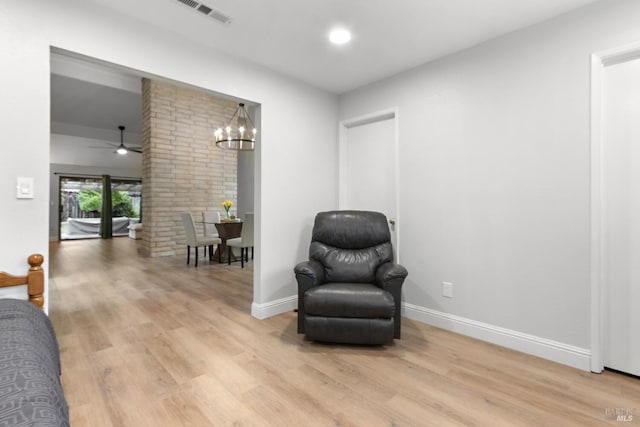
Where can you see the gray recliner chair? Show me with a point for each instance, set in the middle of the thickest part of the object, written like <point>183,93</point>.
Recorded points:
<point>349,289</point>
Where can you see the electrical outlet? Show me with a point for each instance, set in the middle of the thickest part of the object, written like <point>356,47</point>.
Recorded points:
<point>447,290</point>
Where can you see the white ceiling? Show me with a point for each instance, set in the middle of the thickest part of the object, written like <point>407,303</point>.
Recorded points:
<point>389,36</point>
<point>83,103</point>
<point>91,100</point>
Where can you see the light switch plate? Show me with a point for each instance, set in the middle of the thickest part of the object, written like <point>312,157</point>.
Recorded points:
<point>447,289</point>
<point>24,187</point>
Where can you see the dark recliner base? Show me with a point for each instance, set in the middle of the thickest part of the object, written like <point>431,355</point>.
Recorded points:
<point>349,330</point>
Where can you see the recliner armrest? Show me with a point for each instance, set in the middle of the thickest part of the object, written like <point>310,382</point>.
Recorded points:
<point>311,271</point>
<point>308,274</point>
<point>389,274</point>
<point>390,277</point>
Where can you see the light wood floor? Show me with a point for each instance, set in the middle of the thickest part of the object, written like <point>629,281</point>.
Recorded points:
<point>153,342</point>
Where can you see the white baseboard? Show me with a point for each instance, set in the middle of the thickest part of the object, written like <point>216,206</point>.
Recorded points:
<point>541,347</point>
<point>555,351</point>
<point>273,308</point>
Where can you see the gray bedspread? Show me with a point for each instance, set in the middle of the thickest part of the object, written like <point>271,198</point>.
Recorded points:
<point>30,389</point>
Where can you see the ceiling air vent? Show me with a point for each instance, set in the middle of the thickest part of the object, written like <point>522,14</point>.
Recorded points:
<point>206,10</point>
<point>190,3</point>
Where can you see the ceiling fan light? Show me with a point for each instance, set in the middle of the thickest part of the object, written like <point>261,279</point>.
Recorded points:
<point>121,150</point>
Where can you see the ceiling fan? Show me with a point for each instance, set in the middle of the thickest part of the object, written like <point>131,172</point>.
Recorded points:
<point>122,149</point>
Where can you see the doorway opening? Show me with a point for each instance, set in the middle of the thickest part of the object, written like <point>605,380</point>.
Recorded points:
<point>72,72</point>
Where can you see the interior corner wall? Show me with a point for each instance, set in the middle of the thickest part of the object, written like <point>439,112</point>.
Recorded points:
<point>495,180</point>
<point>182,170</point>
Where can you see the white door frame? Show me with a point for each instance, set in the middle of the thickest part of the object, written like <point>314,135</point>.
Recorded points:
<point>343,128</point>
<point>598,291</point>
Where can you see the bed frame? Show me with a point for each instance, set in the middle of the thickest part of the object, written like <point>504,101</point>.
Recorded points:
<point>34,280</point>
<point>30,365</point>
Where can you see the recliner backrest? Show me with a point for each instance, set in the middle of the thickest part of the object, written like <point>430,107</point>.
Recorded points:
<point>351,245</point>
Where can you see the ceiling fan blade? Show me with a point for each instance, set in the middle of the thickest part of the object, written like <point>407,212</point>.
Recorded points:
<point>103,147</point>
<point>135,149</point>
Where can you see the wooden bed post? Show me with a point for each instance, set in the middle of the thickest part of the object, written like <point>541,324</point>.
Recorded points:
<point>35,280</point>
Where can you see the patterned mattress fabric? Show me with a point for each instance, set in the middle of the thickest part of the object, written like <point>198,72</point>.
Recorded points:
<point>30,390</point>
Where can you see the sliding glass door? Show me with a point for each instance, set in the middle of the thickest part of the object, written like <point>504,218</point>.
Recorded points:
<point>81,206</point>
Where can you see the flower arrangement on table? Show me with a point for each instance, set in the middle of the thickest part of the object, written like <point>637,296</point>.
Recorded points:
<point>227,205</point>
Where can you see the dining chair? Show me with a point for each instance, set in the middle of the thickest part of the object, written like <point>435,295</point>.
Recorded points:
<point>196,241</point>
<point>209,220</point>
<point>244,242</point>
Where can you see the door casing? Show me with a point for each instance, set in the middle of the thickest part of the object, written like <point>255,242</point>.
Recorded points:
<point>599,61</point>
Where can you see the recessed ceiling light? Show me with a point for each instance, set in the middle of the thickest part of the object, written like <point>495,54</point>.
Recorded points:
<point>339,36</point>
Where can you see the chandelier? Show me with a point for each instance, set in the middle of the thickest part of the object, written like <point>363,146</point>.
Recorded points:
<point>239,133</point>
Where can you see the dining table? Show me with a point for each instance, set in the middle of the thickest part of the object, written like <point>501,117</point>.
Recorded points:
<point>226,230</point>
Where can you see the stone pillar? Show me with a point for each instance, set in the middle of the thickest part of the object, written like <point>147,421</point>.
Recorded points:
<point>182,169</point>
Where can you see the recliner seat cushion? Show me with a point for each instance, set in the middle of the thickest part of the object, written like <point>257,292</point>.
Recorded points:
<point>362,300</point>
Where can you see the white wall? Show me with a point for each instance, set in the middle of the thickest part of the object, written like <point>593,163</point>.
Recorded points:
<point>494,178</point>
<point>246,194</point>
<point>246,179</point>
<point>29,29</point>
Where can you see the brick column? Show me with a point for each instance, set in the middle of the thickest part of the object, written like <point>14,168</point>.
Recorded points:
<point>182,169</point>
